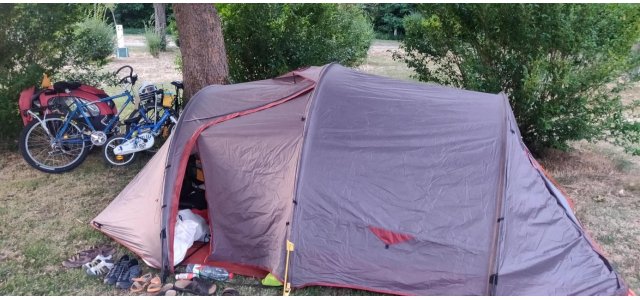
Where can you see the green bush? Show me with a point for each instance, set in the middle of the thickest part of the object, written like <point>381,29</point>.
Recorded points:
<point>266,40</point>
<point>154,42</point>
<point>94,41</point>
<point>562,65</point>
<point>35,39</point>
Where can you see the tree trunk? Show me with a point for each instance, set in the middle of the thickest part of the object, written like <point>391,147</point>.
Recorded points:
<point>161,23</point>
<point>204,58</point>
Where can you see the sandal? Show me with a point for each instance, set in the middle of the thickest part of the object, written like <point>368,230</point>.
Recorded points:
<point>81,258</point>
<point>166,290</point>
<point>101,265</point>
<point>106,250</point>
<point>230,292</point>
<point>86,256</point>
<point>155,285</point>
<point>140,283</point>
<point>197,286</point>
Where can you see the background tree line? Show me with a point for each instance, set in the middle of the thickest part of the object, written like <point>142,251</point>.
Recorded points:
<point>562,65</point>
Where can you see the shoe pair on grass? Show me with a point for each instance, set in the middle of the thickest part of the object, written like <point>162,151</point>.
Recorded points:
<point>123,273</point>
<point>152,284</point>
<point>87,256</point>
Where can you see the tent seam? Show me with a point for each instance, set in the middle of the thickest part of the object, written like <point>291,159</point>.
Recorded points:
<point>494,253</point>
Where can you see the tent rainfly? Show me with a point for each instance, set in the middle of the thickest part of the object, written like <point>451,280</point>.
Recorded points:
<point>383,185</point>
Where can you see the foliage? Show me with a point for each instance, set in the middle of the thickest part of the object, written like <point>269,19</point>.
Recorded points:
<point>172,27</point>
<point>94,41</point>
<point>133,15</point>
<point>266,40</point>
<point>388,18</point>
<point>35,39</point>
<point>154,42</point>
<point>562,65</point>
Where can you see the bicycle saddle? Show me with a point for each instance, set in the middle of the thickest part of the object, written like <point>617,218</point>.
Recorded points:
<point>178,84</point>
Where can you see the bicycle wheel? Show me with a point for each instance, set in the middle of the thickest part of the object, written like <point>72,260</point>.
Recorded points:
<point>50,155</point>
<point>113,159</point>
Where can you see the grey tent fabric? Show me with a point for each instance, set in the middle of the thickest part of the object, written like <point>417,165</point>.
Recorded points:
<point>543,251</point>
<point>388,153</point>
<point>208,104</point>
<point>250,169</point>
<point>384,185</point>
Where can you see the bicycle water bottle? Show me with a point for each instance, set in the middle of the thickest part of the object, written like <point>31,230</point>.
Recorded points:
<point>213,273</point>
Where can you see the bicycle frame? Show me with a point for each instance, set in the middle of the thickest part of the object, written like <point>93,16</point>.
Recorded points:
<point>149,124</point>
<point>80,109</point>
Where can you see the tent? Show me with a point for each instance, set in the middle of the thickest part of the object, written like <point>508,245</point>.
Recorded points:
<point>380,184</point>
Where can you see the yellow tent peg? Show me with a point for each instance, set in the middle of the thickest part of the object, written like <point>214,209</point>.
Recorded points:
<point>287,286</point>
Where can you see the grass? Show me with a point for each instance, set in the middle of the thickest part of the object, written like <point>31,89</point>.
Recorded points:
<point>44,218</point>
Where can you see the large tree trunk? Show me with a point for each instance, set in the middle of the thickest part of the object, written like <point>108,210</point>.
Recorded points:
<point>204,58</point>
<point>161,23</point>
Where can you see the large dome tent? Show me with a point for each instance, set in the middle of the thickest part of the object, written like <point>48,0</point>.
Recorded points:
<point>381,184</point>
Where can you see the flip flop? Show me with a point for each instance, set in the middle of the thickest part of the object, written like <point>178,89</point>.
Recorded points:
<point>155,285</point>
<point>196,286</point>
<point>140,283</point>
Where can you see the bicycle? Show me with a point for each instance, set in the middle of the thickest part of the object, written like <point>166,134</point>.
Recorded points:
<point>144,125</point>
<point>61,140</point>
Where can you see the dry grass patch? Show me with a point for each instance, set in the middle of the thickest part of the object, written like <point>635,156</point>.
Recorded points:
<point>604,183</point>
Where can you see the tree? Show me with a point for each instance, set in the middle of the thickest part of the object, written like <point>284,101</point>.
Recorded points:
<point>562,65</point>
<point>161,23</point>
<point>204,59</point>
<point>388,17</point>
<point>35,38</point>
<point>133,15</point>
<point>267,40</point>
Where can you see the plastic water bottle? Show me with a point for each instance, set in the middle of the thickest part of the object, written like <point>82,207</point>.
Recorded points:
<point>213,273</point>
<point>187,276</point>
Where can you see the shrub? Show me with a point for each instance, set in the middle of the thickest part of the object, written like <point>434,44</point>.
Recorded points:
<point>562,65</point>
<point>266,40</point>
<point>94,41</point>
<point>154,42</point>
<point>35,39</point>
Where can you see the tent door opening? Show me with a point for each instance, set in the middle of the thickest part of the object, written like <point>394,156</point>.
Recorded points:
<point>193,206</point>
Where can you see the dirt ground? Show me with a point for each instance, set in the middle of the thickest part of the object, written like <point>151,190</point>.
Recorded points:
<point>44,218</point>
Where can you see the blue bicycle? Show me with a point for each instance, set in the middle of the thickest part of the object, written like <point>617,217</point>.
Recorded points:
<point>60,141</point>
<point>152,121</point>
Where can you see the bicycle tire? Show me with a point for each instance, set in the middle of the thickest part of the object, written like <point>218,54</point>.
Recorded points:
<point>28,145</point>
<point>126,159</point>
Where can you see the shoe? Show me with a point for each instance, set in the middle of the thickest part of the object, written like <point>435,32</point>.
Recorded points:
<point>81,258</point>
<point>100,265</point>
<point>121,267</point>
<point>197,286</point>
<point>126,279</point>
<point>86,256</point>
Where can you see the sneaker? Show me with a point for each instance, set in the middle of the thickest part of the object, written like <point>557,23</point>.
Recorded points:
<point>126,279</point>
<point>121,267</point>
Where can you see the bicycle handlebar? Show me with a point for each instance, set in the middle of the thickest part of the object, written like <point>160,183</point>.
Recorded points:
<point>131,78</point>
